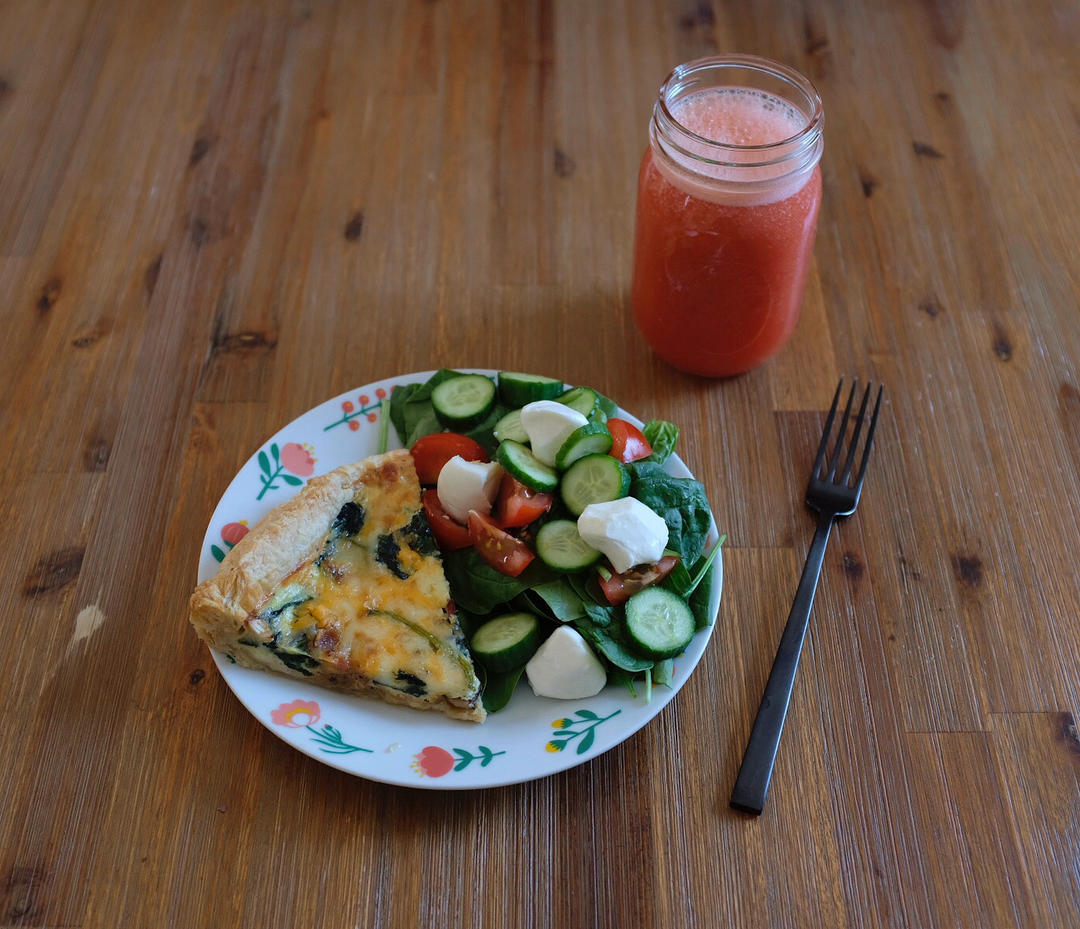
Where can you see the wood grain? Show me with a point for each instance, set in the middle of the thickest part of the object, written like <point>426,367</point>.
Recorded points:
<point>216,214</point>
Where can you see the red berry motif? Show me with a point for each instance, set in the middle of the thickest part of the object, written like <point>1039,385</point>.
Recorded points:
<point>362,406</point>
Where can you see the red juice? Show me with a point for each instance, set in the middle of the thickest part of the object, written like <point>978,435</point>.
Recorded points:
<point>725,229</point>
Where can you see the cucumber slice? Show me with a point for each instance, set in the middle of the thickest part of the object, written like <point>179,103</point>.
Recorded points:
<point>462,402</point>
<point>594,479</point>
<point>660,623</point>
<point>506,641</point>
<point>518,389</point>
<point>582,399</point>
<point>560,546</point>
<point>590,439</point>
<point>526,467</point>
<point>509,427</point>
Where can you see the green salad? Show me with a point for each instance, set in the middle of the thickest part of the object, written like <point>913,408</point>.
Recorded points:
<point>573,557</point>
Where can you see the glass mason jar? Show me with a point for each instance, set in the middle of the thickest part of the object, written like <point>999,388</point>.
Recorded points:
<point>728,197</point>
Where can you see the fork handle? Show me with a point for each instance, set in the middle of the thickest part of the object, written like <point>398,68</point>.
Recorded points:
<point>752,784</point>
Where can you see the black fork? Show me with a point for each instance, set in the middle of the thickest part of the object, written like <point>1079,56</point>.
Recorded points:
<point>834,493</point>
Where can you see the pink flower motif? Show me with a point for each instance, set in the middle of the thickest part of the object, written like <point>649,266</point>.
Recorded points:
<point>298,458</point>
<point>380,393</point>
<point>296,715</point>
<point>432,761</point>
<point>234,532</point>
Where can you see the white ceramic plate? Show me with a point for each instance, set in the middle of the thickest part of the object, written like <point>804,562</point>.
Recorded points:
<point>531,738</point>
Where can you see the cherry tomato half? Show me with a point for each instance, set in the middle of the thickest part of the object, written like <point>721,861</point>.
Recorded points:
<point>499,549</point>
<point>518,505</point>
<point>627,442</point>
<point>621,587</point>
<point>431,452</point>
<point>449,534</point>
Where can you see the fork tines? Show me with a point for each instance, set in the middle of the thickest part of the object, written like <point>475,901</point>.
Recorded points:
<point>829,474</point>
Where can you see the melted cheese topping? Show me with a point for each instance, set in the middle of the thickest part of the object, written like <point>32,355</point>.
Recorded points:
<point>362,616</point>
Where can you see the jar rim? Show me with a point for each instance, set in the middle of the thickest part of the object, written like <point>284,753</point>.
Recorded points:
<point>810,131</point>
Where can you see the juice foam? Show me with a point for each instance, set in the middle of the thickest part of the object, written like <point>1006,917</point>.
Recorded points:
<point>738,116</point>
<point>734,117</point>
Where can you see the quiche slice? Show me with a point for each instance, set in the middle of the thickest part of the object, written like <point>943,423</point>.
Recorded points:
<point>342,586</point>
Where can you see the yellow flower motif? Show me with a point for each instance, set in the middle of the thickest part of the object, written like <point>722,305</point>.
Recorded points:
<point>553,747</point>
<point>562,724</point>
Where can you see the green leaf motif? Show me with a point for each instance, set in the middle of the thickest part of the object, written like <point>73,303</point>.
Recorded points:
<point>332,743</point>
<point>466,758</point>
<point>264,462</point>
<point>218,554</point>
<point>275,452</point>
<point>291,481</point>
<point>587,721</point>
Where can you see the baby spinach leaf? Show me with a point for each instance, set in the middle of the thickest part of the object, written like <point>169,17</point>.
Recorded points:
<point>468,622</point>
<point>484,432</point>
<point>605,641</point>
<point>695,585</point>
<point>663,672</point>
<point>587,587</point>
<point>420,420</point>
<point>560,599</point>
<point>679,580</point>
<point>443,374</point>
<point>619,676</point>
<point>601,615</point>
<point>479,588</point>
<point>399,396</point>
<point>499,688</point>
<point>680,501</point>
<point>411,411</point>
<point>606,406</point>
<point>662,436</point>
<point>699,602</point>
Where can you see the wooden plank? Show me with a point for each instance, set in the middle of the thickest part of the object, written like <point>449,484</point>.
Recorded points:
<point>963,829</point>
<point>1036,757</point>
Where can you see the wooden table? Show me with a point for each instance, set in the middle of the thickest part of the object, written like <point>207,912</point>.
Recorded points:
<point>217,214</point>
